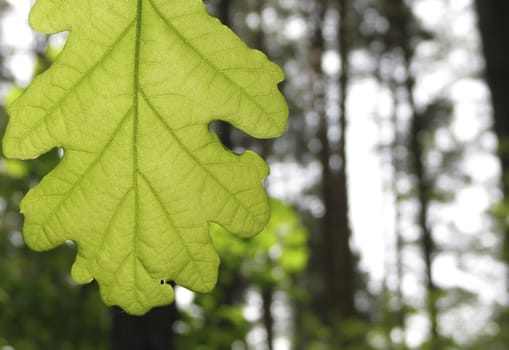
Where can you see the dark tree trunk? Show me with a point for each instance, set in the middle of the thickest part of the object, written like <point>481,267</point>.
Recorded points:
<point>154,331</point>
<point>268,319</point>
<point>427,244</point>
<point>494,28</point>
<point>337,258</point>
<point>341,255</point>
<point>319,101</point>
<point>399,16</point>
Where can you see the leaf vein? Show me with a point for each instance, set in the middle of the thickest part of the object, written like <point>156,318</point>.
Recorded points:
<point>83,78</point>
<point>87,170</point>
<point>191,155</point>
<point>172,224</point>
<point>214,67</point>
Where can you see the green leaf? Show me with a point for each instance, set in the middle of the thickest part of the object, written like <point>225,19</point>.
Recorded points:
<point>130,100</point>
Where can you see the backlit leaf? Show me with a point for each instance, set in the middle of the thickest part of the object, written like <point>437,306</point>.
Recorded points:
<point>130,100</point>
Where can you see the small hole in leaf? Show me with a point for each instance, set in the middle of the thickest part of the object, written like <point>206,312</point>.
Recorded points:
<point>162,282</point>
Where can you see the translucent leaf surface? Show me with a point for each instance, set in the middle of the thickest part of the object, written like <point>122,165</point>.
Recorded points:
<point>130,100</point>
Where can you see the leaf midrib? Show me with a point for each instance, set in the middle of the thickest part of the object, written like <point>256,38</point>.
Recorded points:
<point>136,88</point>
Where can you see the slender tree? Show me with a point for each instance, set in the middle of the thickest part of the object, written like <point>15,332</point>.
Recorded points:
<point>338,260</point>
<point>399,17</point>
<point>319,106</point>
<point>342,259</point>
<point>401,308</point>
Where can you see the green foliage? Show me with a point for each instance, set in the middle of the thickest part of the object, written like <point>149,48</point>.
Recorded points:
<point>275,255</point>
<point>130,100</point>
<point>270,261</point>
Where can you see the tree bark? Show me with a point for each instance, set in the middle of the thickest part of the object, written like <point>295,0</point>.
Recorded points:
<point>494,28</point>
<point>399,17</point>
<point>338,262</point>
<point>150,332</point>
<point>268,319</point>
<point>343,258</point>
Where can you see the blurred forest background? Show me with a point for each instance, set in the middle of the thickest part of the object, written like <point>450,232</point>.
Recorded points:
<point>390,192</point>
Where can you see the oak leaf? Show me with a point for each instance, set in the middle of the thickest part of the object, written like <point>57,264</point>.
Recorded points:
<point>130,100</point>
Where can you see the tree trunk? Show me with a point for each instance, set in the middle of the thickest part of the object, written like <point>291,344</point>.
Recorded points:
<point>427,244</point>
<point>401,311</point>
<point>338,259</point>
<point>343,257</point>
<point>494,28</point>
<point>268,319</point>
<point>399,17</point>
<point>150,332</point>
